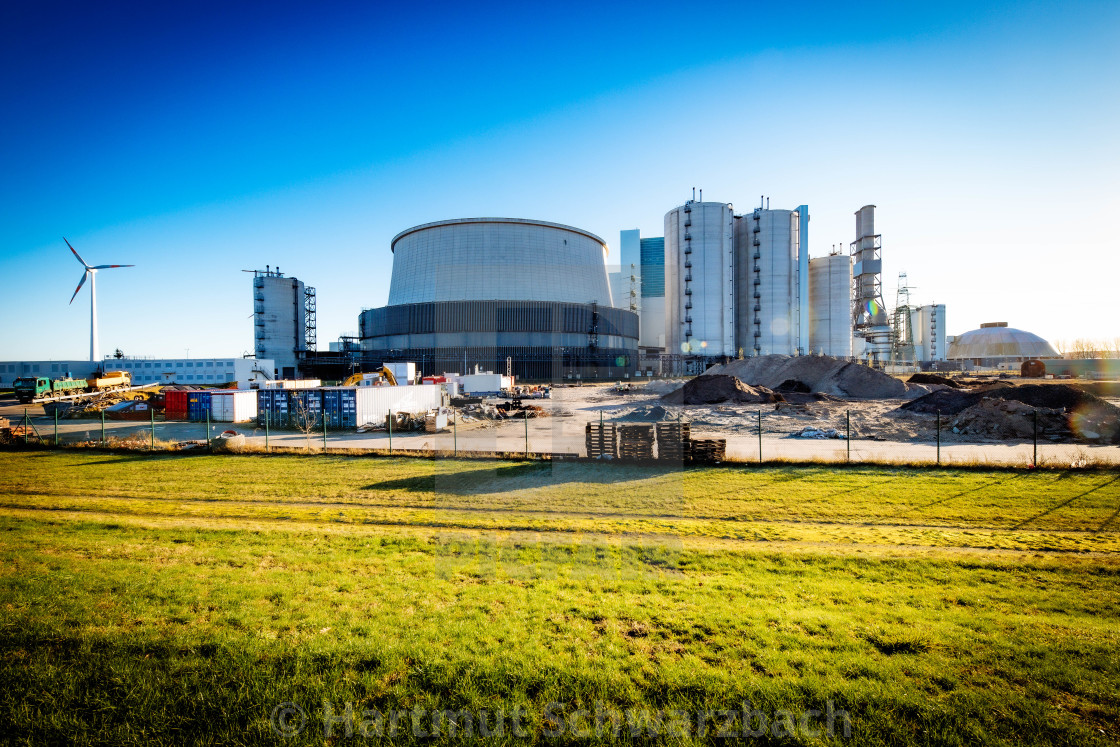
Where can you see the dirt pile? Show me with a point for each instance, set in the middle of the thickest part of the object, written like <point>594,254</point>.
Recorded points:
<point>655,414</point>
<point>927,378</point>
<point>1085,415</point>
<point>711,389</point>
<point>817,373</point>
<point>1004,418</point>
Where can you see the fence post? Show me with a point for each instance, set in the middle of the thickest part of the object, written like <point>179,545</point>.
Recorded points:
<point>102,427</point>
<point>939,436</point>
<point>525,417</point>
<point>152,411</point>
<point>26,422</point>
<point>324,433</point>
<point>1034,461</point>
<point>267,413</point>
<point>455,435</point>
<point>56,426</point>
<point>207,430</point>
<point>760,436</point>
<point>390,421</point>
<point>848,418</point>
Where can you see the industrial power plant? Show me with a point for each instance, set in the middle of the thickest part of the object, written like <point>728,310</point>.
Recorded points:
<point>546,302</point>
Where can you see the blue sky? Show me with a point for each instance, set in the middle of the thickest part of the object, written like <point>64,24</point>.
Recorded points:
<point>198,139</point>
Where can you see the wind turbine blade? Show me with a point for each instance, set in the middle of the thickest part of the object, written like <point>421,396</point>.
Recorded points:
<point>84,276</point>
<point>106,267</point>
<point>76,253</point>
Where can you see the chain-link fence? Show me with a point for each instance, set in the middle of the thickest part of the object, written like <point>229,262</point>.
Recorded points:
<point>837,435</point>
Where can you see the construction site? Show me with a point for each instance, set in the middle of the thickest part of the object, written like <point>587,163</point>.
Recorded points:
<point>507,335</point>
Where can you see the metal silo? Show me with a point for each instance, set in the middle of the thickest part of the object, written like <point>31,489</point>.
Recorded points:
<point>699,285</point>
<point>283,319</point>
<point>830,305</point>
<point>928,325</point>
<point>770,282</point>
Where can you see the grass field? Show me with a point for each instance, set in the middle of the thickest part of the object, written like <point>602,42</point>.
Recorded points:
<point>169,599</point>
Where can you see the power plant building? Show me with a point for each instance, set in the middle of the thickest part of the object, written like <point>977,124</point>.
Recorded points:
<point>927,325</point>
<point>283,320</point>
<point>997,344</point>
<point>477,292</point>
<point>699,279</point>
<point>641,286</point>
<point>830,305</point>
<point>772,281</point>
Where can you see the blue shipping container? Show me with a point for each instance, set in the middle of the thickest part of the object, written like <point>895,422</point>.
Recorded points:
<point>305,406</point>
<point>272,405</point>
<point>198,406</point>
<point>340,408</point>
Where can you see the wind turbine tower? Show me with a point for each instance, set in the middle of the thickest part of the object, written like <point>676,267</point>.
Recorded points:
<point>91,273</point>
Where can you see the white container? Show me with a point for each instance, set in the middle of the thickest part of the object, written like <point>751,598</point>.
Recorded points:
<point>233,405</point>
<point>375,402</point>
<point>483,383</point>
<point>404,372</point>
<point>292,384</point>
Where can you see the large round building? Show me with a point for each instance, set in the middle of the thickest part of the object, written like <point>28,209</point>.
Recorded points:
<point>995,343</point>
<point>478,291</point>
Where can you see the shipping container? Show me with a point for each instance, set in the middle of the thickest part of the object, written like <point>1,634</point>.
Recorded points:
<point>405,373</point>
<point>484,383</point>
<point>292,384</point>
<point>340,406</point>
<point>198,405</point>
<point>373,404</point>
<point>233,406</point>
<point>272,407</point>
<point>175,404</point>
<point>305,407</point>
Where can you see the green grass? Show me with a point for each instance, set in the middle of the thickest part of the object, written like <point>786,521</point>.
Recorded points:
<point>168,599</point>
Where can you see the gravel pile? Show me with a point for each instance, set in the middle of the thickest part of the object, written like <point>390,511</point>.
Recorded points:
<point>1003,411</point>
<point>711,389</point>
<point>814,373</point>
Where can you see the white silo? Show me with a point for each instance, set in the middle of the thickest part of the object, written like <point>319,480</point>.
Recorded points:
<point>928,326</point>
<point>283,314</point>
<point>771,274</point>
<point>830,305</point>
<point>699,282</point>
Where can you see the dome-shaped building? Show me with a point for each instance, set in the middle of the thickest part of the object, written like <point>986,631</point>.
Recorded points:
<point>996,343</point>
<point>478,291</point>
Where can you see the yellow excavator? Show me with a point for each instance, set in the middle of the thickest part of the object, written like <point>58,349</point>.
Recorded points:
<point>358,378</point>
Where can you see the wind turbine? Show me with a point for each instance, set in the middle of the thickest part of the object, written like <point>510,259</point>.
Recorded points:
<point>91,273</point>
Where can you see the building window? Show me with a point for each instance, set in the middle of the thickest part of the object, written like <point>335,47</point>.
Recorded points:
<point>209,364</point>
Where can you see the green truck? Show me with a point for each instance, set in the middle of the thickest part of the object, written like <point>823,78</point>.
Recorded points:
<point>31,388</point>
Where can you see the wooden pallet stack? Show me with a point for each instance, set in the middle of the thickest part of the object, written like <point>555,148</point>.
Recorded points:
<point>635,441</point>
<point>600,439</point>
<point>673,441</point>
<point>707,450</point>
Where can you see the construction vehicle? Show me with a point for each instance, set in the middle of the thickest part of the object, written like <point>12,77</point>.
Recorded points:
<point>109,381</point>
<point>371,379</point>
<point>32,388</point>
<point>37,388</point>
